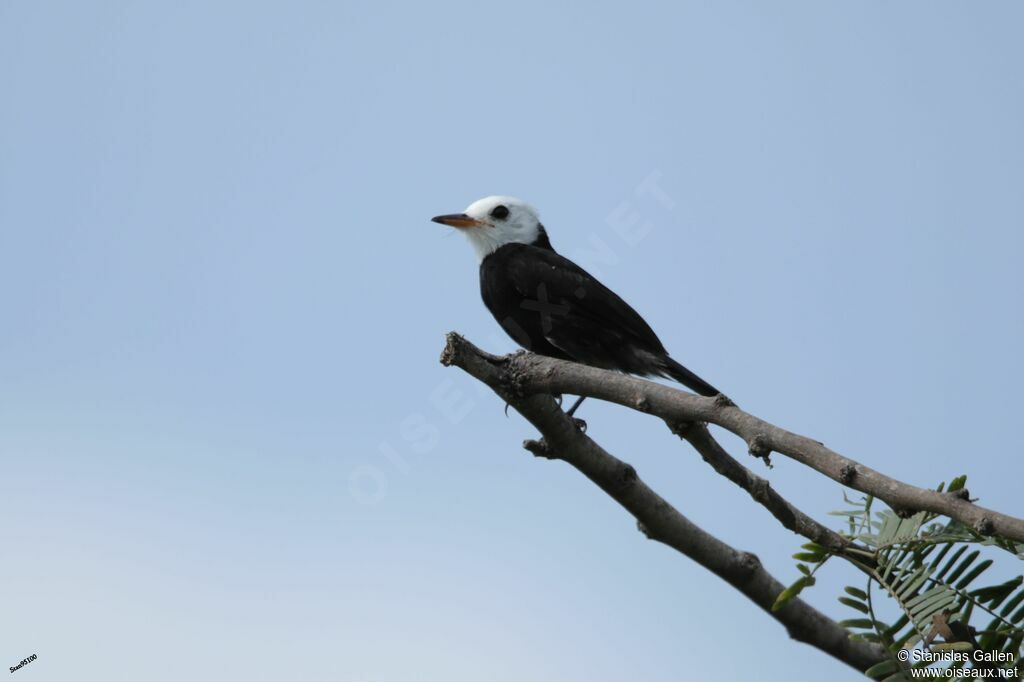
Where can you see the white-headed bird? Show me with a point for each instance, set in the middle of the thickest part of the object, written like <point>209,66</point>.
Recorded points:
<point>550,305</point>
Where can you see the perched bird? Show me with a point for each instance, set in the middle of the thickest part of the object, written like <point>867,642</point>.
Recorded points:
<point>550,305</point>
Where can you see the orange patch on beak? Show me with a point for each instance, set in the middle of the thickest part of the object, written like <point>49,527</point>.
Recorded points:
<point>460,220</point>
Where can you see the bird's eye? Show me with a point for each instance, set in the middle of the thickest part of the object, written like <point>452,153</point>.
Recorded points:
<point>500,212</point>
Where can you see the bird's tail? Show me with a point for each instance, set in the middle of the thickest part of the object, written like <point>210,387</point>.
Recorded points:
<point>687,378</point>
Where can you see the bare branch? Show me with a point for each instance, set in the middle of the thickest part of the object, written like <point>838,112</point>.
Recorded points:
<point>655,516</point>
<point>760,490</point>
<point>532,374</point>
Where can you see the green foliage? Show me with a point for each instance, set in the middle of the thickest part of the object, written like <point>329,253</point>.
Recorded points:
<point>924,569</point>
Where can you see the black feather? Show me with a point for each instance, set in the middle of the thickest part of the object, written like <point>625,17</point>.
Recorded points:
<point>552,306</point>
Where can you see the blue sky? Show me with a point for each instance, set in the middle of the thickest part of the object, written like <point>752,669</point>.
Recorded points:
<point>228,449</point>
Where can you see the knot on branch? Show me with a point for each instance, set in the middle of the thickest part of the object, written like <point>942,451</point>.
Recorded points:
<point>722,400</point>
<point>758,447</point>
<point>984,526</point>
<point>847,474</point>
<point>748,563</point>
<point>623,477</point>
<point>513,374</point>
<point>648,533</point>
<point>539,448</point>
<point>760,489</point>
<point>681,429</point>
<point>901,511</point>
<point>641,404</point>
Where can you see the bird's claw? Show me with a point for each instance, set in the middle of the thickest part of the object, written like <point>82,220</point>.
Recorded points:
<point>506,409</point>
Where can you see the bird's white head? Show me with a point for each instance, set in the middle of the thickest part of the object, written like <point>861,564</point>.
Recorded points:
<point>492,222</point>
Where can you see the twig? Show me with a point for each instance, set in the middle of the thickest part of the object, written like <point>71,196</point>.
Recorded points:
<point>761,491</point>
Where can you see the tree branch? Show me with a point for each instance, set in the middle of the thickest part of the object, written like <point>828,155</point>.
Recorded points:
<point>761,491</point>
<point>528,374</point>
<point>655,516</point>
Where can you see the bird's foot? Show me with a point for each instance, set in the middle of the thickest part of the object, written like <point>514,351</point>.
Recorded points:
<point>575,405</point>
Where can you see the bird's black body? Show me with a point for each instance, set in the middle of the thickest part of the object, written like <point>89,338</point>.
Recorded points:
<point>550,305</point>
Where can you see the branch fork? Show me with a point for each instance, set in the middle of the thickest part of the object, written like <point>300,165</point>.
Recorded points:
<point>527,382</point>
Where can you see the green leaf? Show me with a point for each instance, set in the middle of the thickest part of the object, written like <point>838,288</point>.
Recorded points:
<point>884,668</point>
<point>924,611</point>
<point>975,572</point>
<point>911,584</point>
<point>952,560</point>
<point>863,623</point>
<point>953,646</point>
<point>807,556</point>
<point>942,552</point>
<point>890,524</point>
<point>963,566</point>
<point>957,483</point>
<point>792,591</point>
<point>1017,598</point>
<point>900,623</point>
<point>925,596</point>
<point>911,641</point>
<point>901,643</point>
<point>892,562</point>
<point>1013,646</point>
<point>854,604</point>
<point>996,594</point>
<point>854,592</point>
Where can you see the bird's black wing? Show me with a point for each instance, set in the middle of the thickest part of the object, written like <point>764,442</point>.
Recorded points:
<point>578,314</point>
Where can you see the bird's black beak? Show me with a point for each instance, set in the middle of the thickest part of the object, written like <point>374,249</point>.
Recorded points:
<point>458,220</point>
